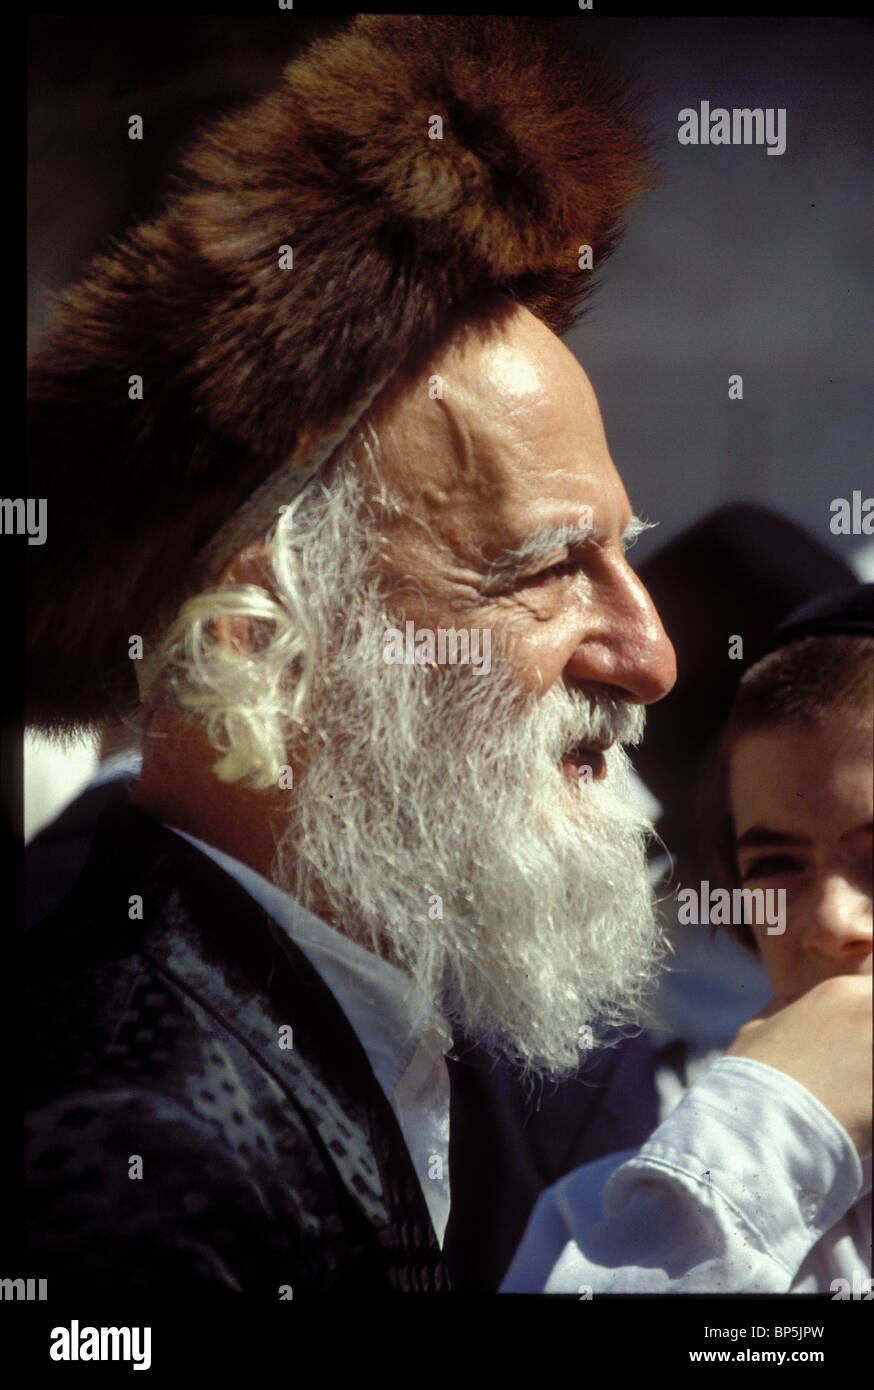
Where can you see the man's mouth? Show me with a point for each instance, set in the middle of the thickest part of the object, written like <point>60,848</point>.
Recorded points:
<point>585,755</point>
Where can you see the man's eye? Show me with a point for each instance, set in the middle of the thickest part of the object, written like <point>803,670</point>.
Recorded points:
<point>553,572</point>
<point>771,864</point>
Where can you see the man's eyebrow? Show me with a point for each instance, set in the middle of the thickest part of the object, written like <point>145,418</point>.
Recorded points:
<point>635,528</point>
<point>758,835</point>
<point>547,539</point>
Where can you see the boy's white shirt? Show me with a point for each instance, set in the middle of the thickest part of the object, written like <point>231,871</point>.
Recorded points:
<point>748,1185</point>
<point>845,1249</point>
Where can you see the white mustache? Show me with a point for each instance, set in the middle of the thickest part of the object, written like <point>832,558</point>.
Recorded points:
<point>605,722</point>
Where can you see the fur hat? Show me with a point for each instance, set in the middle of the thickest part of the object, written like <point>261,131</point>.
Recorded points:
<point>247,367</point>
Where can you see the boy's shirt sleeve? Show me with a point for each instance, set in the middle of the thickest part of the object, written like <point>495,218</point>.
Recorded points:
<point>729,1195</point>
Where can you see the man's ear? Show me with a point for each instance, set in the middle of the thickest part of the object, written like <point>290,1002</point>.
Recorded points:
<point>249,566</point>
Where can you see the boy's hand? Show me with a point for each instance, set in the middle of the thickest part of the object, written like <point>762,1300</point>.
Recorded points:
<point>822,1040</point>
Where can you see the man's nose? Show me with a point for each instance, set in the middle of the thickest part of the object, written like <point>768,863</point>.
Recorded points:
<point>839,923</point>
<point>623,643</point>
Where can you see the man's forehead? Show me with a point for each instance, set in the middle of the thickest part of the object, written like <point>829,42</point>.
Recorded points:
<point>504,419</point>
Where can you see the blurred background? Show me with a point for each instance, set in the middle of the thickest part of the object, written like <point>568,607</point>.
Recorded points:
<point>741,262</point>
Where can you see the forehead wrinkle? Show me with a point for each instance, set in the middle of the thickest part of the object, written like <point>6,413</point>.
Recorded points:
<point>476,486</point>
<point>475,464</point>
<point>447,434</point>
<point>446,506</point>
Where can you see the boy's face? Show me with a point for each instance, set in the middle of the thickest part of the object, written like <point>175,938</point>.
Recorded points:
<point>801,799</point>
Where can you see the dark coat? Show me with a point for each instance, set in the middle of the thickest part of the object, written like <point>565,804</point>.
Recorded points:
<point>260,1166</point>
<point>158,1040</point>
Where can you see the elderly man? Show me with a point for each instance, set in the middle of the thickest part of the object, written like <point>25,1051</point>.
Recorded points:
<point>363,548</point>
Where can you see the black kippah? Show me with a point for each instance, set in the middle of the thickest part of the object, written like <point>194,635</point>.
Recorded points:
<point>849,611</point>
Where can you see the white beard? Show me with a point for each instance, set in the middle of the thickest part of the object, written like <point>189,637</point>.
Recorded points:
<point>438,791</point>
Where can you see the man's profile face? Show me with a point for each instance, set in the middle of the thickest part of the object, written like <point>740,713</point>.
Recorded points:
<point>515,450</point>
<point>447,814</point>
<point>801,799</point>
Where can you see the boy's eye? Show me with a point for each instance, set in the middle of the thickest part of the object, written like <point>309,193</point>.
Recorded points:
<point>771,864</point>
